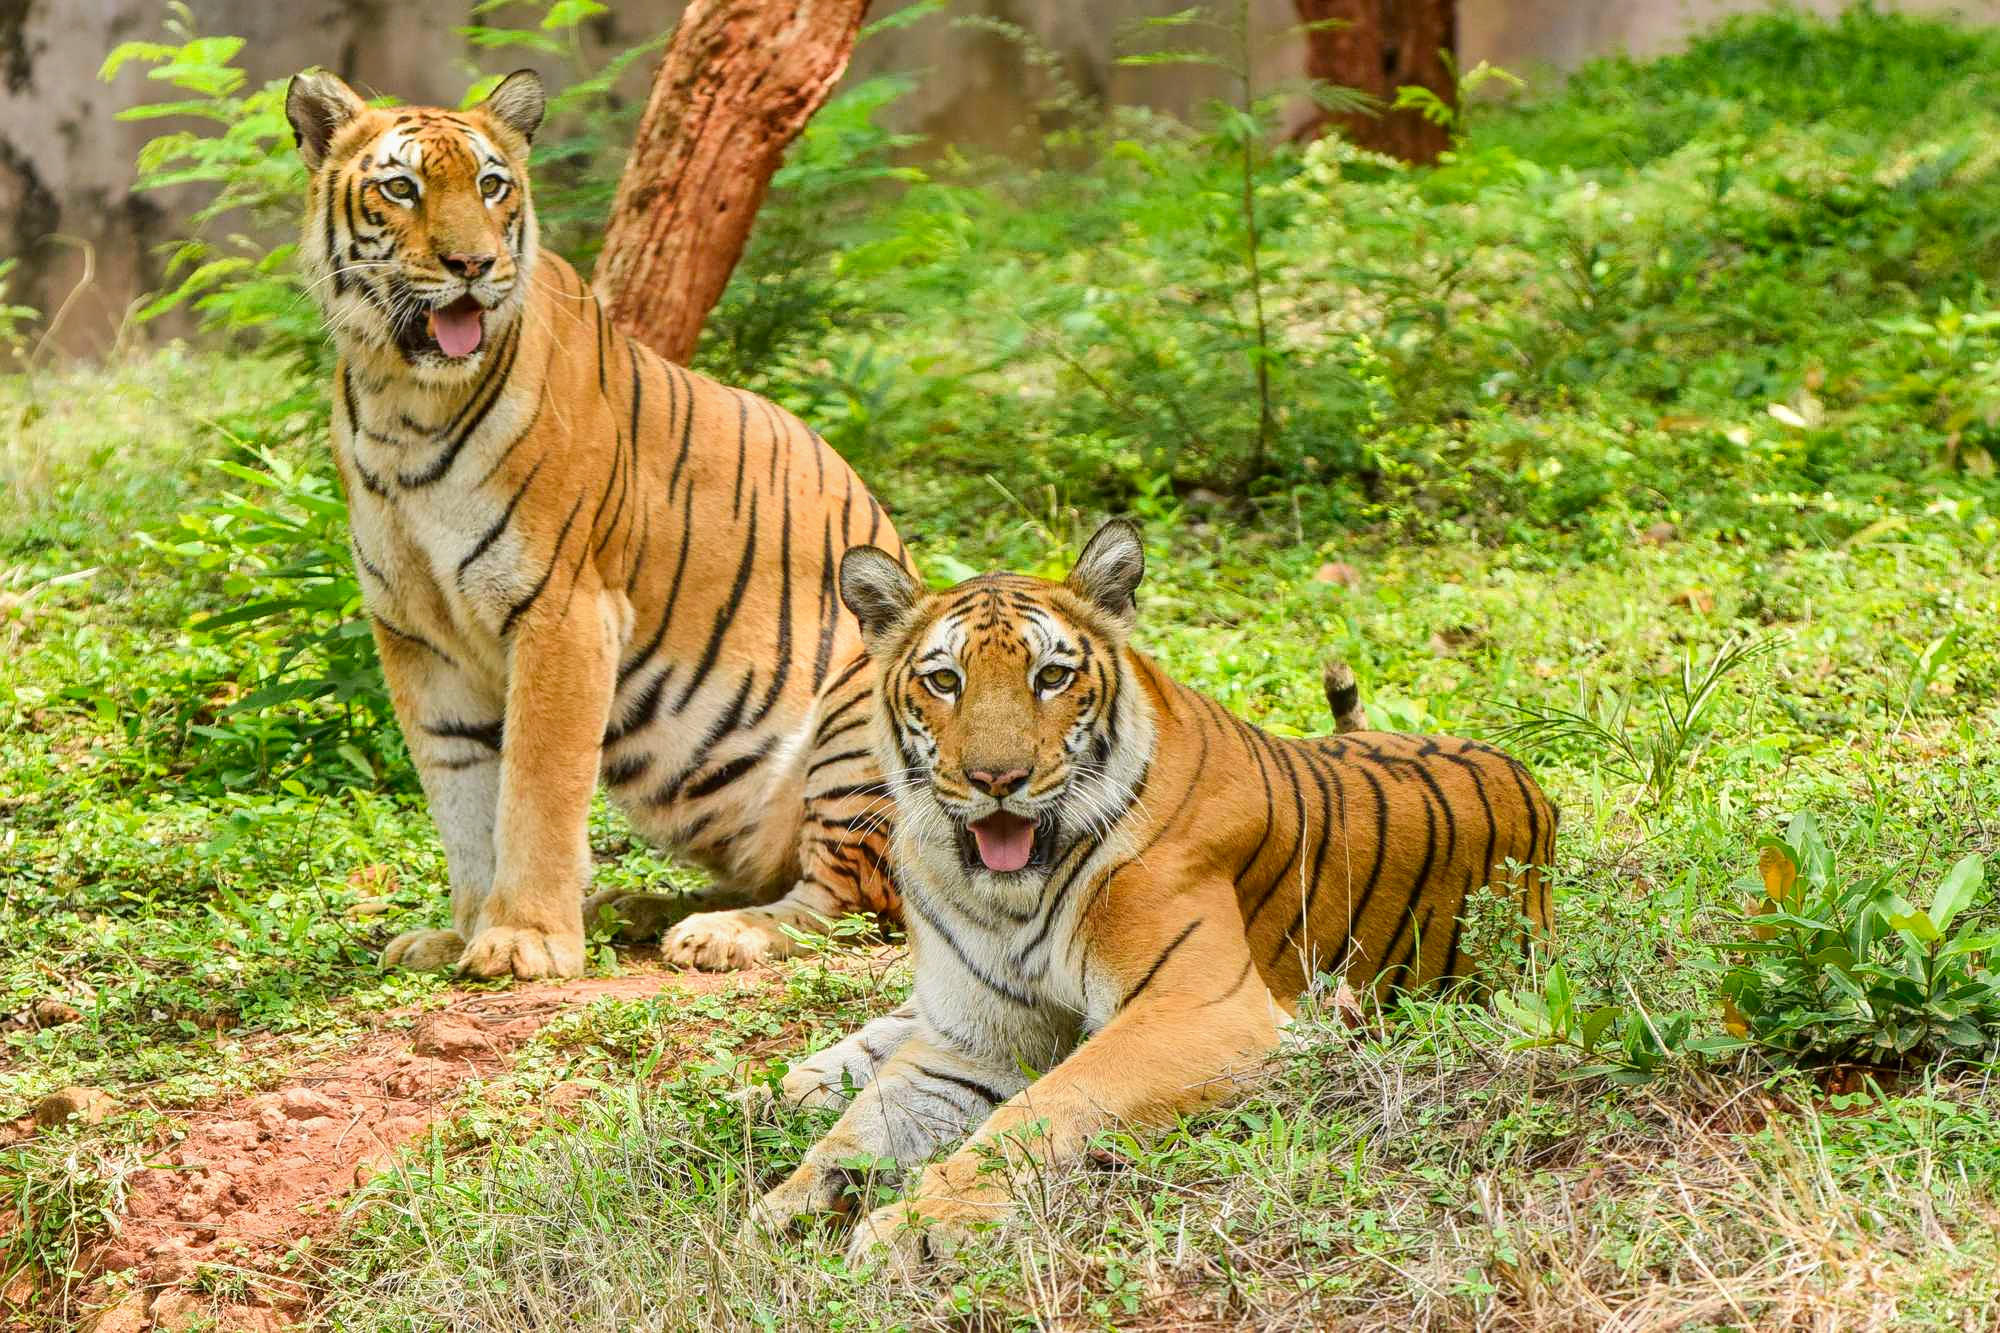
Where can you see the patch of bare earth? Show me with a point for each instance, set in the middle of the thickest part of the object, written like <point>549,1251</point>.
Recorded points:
<point>254,1178</point>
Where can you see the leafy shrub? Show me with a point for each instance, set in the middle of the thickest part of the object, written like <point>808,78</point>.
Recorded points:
<point>1826,970</point>
<point>1847,969</point>
<point>310,691</point>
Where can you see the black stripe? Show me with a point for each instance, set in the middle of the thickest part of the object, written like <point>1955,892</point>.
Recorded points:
<point>642,710</point>
<point>1234,986</point>
<point>485,733</point>
<point>781,652</point>
<point>829,605</point>
<point>1000,988</point>
<point>659,635</point>
<point>991,1096</point>
<point>520,608</point>
<point>409,636</point>
<point>1160,962</point>
<point>833,759</point>
<point>492,534</point>
<point>742,445</point>
<point>729,772</point>
<point>492,385</point>
<point>726,616</point>
<point>621,771</point>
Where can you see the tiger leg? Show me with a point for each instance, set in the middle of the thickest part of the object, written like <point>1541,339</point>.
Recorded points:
<point>829,1079</point>
<point>562,661</point>
<point>1196,1017</point>
<point>453,729</point>
<point>842,850</point>
<point>830,887</point>
<point>637,915</point>
<point>926,1095</point>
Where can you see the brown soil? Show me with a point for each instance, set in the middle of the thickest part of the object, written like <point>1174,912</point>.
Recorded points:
<point>253,1178</point>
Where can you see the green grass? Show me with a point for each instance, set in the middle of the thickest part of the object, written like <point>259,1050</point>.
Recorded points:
<point>1686,356</point>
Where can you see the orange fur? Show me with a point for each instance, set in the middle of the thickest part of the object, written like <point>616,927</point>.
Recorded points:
<point>581,561</point>
<point>1192,875</point>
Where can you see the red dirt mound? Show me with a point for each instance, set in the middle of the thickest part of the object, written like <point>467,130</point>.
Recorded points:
<point>253,1178</point>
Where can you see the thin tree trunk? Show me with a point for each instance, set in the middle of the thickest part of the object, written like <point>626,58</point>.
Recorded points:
<point>739,81</point>
<point>1378,46</point>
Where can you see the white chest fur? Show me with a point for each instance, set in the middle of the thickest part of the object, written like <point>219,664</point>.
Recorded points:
<point>1003,968</point>
<point>429,519</point>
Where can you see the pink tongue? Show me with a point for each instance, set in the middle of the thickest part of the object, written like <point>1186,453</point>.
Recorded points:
<point>456,328</point>
<point>1005,841</point>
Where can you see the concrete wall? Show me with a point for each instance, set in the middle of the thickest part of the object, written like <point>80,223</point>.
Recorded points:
<point>66,163</point>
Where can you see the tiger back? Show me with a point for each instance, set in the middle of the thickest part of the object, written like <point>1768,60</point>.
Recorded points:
<point>1089,849</point>
<point>581,562</point>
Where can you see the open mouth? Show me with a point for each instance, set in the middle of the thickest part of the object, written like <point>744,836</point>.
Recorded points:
<point>455,330</point>
<point>1005,843</point>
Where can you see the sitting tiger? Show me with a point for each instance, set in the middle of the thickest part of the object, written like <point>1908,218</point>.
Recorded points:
<point>1088,849</point>
<point>579,560</point>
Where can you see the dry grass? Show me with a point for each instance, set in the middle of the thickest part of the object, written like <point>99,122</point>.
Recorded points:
<point>1427,1178</point>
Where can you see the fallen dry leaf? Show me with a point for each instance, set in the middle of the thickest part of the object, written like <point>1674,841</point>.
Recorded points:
<point>89,1105</point>
<point>1339,573</point>
<point>53,1013</point>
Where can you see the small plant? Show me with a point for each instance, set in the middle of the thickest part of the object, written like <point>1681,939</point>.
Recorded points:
<point>1623,1042</point>
<point>1947,366</point>
<point>310,694</point>
<point>1654,759</point>
<point>1837,970</point>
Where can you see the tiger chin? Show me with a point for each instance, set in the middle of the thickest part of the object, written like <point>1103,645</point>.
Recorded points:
<point>1089,849</point>
<point>583,565</point>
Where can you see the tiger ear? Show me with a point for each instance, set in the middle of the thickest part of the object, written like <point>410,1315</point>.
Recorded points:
<point>1108,571</point>
<point>878,590</point>
<point>318,104</point>
<point>518,102</point>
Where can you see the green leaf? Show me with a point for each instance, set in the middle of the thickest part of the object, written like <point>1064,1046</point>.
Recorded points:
<point>568,13</point>
<point>1918,924</point>
<point>1957,890</point>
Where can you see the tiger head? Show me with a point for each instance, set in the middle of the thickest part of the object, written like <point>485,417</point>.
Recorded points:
<point>1011,723</point>
<point>419,232</point>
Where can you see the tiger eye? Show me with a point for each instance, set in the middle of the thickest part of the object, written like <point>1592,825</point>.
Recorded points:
<point>1053,677</point>
<point>944,682</point>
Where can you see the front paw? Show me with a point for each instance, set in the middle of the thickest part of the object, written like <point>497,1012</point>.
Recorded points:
<point>812,1189</point>
<point>726,941</point>
<point>424,950</point>
<point>910,1234</point>
<point>635,916</point>
<point>501,951</point>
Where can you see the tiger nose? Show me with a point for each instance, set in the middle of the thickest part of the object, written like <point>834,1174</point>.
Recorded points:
<point>467,266</point>
<point>997,784</point>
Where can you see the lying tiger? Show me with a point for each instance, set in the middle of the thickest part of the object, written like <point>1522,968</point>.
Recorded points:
<point>1088,849</point>
<point>578,559</point>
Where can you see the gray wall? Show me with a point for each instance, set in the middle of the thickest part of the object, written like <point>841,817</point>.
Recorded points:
<point>66,164</point>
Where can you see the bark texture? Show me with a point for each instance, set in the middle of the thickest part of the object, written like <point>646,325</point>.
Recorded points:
<point>1378,47</point>
<point>739,81</point>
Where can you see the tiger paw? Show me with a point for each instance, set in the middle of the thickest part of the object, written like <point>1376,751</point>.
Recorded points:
<point>909,1235</point>
<point>726,941</point>
<point>634,916</point>
<point>501,951</point>
<point>424,950</point>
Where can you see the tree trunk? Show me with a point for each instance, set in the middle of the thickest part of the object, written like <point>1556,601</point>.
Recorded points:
<point>1378,47</point>
<point>739,81</point>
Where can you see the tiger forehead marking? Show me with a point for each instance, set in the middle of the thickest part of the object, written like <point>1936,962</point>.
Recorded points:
<point>1023,700</point>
